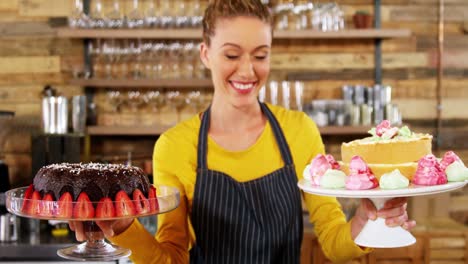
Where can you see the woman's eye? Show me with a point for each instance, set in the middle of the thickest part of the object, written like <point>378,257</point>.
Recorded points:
<point>232,57</point>
<point>260,57</point>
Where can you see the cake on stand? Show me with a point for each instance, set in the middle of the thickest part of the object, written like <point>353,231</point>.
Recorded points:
<point>376,234</point>
<point>95,248</point>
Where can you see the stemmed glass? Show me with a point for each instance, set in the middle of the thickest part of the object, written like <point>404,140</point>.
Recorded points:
<point>157,51</point>
<point>298,94</point>
<point>115,17</point>
<point>188,60</point>
<point>135,54</point>
<point>285,94</point>
<point>195,14</point>
<point>110,56</point>
<point>181,18</point>
<point>96,15</point>
<point>175,52</point>
<point>167,18</point>
<point>136,17</point>
<point>147,59</point>
<point>155,99</point>
<point>134,100</point>
<point>152,18</point>
<point>173,102</point>
<point>115,99</point>
<point>97,60</point>
<point>78,19</point>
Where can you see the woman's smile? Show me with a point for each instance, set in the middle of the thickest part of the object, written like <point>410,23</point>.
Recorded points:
<point>243,87</point>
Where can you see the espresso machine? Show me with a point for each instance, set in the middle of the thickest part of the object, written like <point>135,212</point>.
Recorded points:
<point>8,222</point>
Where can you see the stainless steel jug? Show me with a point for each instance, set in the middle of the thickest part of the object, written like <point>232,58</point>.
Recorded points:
<point>8,228</point>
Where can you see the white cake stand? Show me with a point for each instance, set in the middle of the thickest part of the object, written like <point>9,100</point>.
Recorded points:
<point>376,233</point>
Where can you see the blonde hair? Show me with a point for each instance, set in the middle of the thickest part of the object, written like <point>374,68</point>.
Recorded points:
<point>229,9</point>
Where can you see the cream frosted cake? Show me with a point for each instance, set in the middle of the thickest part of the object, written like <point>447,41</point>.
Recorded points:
<point>389,148</point>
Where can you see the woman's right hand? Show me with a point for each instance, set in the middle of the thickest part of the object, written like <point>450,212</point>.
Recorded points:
<point>110,228</point>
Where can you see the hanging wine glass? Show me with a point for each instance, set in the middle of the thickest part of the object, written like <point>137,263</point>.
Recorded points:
<point>115,17</point>
<point>135,18</point>
<point>96,15</point>
<point>181,18</point>
<point>188,60</point>
<point>134,100</point>
<point>78,19</point>
<point>115,99</point>
<point>152,18</point>
<point>167,16</point>
<point>196,14</point>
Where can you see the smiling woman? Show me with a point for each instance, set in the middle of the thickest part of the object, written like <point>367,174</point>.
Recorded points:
<point>237,165</point>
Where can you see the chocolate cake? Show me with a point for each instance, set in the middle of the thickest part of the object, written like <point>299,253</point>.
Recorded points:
<point>95,179</point>
<point>90,190</point>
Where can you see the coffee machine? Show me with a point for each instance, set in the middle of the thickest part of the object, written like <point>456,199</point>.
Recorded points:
<point>8,222</point>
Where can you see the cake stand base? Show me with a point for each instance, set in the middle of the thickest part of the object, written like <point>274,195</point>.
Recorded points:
<point>95,248</point>
<point>377,234</point>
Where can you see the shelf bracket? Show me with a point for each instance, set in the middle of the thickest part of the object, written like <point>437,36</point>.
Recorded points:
<point>377,45</point>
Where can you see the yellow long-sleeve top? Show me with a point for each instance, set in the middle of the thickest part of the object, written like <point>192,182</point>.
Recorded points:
<point>175,162</point>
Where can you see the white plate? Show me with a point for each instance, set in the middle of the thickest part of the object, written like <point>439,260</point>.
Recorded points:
<point>412,190</point>
<point>377,234</point>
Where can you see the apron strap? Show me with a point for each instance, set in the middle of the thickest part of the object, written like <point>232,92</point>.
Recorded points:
<point>279,135</point>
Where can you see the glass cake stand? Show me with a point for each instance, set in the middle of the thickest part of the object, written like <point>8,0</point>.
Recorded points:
<point>95,248</point>
<point>376,233</point>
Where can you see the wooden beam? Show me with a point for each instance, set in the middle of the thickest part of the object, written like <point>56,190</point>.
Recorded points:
<point>44,8</point>
<point>39,46</point>
<point>8,5</point>
<point>336,61</point>
<point>32,78</point>
<point>415,13</point>
<point>426,108</point>
<point>32,64</point>
<point>19,29</point>
<point>23,94</point>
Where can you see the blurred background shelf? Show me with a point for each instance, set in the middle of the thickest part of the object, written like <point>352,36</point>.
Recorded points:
<point>157,130</point>
<point>143,83</point>
<point>66,32</point>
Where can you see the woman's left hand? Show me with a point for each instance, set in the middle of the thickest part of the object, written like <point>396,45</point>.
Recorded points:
<point>394,212</point>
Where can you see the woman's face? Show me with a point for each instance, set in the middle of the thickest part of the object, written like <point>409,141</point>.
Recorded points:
<point>239,59</point>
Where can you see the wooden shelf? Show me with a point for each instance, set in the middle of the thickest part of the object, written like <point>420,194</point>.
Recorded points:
<point>344,130</point>
<point>157,130</point>
<point>143,83</point>
<point>126,131</point>
<point>343,34</point>
<point>65,32</point>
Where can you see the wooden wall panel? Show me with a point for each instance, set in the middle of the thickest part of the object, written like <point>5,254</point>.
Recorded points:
<point>31,64</point>
<point>44,8</point>
<point>9,5</point>
<point>32,78</point>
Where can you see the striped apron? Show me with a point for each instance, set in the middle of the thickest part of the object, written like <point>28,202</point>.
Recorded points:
<point>258,221</point>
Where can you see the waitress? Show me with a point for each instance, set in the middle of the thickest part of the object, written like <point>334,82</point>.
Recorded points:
<point>238,163</point>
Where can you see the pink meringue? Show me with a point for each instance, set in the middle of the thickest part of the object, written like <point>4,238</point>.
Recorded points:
<point>449,158</point>
<point>429,172</point>
<point>360,176</point>
<point>317,168</point>
<point>335,165</point>
<point>381,128</point>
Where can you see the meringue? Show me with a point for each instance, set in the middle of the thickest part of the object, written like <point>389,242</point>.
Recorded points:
<point>393,180</point>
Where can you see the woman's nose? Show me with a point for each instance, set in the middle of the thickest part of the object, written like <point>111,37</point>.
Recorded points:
<point>246,68</point>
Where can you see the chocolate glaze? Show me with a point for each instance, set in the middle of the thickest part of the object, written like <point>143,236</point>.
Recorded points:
<point>97,180</point>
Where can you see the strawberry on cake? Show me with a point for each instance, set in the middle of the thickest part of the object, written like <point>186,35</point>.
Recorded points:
<point>90,190</point>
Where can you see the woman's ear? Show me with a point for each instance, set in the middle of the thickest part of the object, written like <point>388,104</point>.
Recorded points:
<point>204,55</point>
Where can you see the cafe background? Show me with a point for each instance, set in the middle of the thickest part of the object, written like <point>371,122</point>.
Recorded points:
<point>139,82</point>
